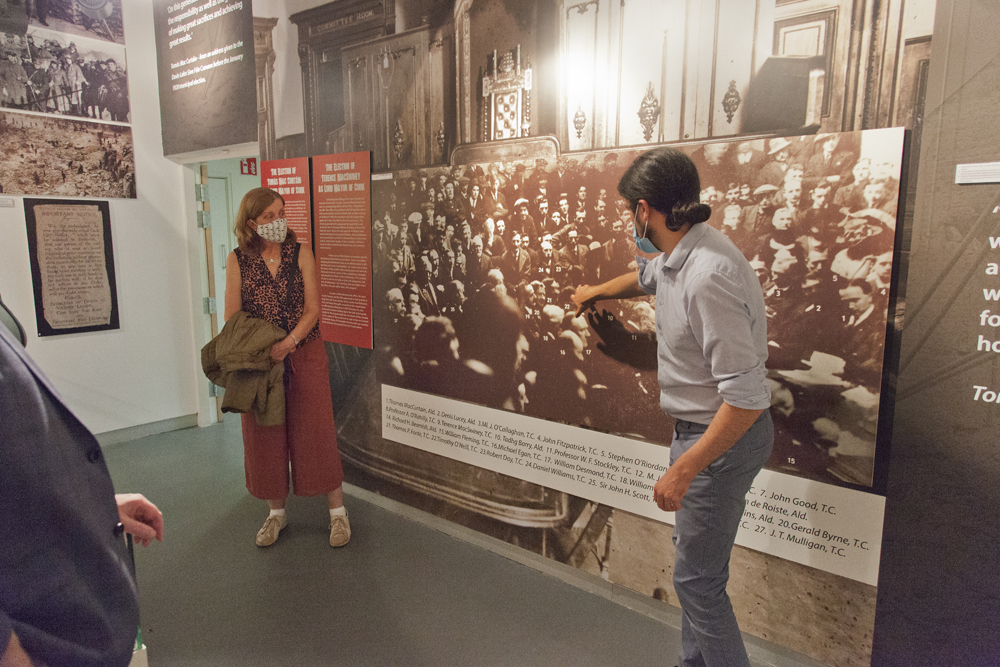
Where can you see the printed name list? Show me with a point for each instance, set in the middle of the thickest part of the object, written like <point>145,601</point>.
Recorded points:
<point>831,528</point>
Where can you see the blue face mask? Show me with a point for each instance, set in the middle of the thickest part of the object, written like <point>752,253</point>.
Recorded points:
<point>643,243</point>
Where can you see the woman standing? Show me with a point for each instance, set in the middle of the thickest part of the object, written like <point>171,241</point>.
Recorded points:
<point>264,280</point>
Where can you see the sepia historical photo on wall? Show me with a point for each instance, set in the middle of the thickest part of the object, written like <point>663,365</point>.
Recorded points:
<point>474,268</point>
<point>475,306</point>
<point>97,19</point>
<point>48,72</point>
<point>49,155</point>
<point>418,77</point>
<point>466,89</point>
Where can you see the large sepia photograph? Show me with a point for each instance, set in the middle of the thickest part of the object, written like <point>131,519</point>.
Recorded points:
<point>474,268</point>
<point>50,72</point>
<point>459,96</point>
<point>97,19</point>
<point>49,155</point>
<point>411,80</point>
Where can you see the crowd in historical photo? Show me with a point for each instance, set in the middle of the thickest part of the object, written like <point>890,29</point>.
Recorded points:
<point>474,268</point>
<point>101,20</point>
<point>46,155</point>
<point>39,73</point>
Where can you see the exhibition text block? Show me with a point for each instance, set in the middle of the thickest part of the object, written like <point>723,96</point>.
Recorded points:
<point>830,528</point>
<point>290,179</point>
<point>342,209</point>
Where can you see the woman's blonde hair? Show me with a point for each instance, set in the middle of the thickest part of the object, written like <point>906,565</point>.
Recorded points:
<point>253,205</point>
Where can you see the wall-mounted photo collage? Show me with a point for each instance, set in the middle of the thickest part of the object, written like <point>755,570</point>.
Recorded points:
<point>66,119</point>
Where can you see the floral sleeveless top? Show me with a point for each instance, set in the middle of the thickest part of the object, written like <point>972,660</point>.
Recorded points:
<point>264,297</point>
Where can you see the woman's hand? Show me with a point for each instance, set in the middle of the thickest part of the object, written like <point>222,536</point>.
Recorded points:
<point>282,349</point>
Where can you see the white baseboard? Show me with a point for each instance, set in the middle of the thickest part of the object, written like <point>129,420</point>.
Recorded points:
<point>118,436</point>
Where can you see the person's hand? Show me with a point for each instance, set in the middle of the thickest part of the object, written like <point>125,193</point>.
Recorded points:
<point>282,349</point>
<point>670,489</point>
<point>15,655</point>
<point>584,297</point>
<point>140,517</point>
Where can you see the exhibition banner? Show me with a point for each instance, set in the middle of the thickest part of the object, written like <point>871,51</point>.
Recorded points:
<point>207,74</point>
<point>733,74</point>
<point>65,96</point>
<point>342,213</point>
<point>829,528</point>
<point>475,306</point>
<point>290,179</point>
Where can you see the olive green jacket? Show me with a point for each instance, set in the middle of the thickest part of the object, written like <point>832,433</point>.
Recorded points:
<point>239,359</point>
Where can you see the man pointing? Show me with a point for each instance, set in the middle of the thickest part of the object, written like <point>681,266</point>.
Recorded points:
<point>711,349</point>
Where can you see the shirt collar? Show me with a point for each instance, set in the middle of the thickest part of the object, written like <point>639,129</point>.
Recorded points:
<point>684,247</point>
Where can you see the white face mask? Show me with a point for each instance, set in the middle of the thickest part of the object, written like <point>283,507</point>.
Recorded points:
<point>274,231</point>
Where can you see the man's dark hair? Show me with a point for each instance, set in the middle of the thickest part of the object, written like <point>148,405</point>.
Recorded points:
<point>668,180</point>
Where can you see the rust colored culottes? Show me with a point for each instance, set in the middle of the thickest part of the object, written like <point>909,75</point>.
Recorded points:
<point>307,439</point>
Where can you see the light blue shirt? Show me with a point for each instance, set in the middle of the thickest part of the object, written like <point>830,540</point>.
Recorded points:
<point>711,327</point>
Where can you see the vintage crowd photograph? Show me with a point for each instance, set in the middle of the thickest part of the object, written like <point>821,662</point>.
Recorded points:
<point>496,101</point>
<point>53,73</point>
<point>49,155</point>
<point>97,19</point>
<point>474,268</point>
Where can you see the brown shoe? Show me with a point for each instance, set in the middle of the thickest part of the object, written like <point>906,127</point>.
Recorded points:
<point>340,530</point>
<point>268,534</point>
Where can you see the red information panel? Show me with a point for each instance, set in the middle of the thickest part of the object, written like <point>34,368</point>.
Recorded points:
<point>290,179</point>
<point>342,193</point>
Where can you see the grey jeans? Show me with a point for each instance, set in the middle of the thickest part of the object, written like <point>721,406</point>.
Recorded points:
<point>704,533</point>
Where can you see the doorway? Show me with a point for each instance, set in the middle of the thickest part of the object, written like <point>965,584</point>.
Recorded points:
<point>226,187</point>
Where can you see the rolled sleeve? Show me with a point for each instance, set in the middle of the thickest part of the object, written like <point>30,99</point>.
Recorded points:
<point>648,271</point>
<point>733,337</point>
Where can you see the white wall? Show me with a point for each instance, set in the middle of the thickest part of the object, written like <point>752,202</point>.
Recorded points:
<point>146,371</point>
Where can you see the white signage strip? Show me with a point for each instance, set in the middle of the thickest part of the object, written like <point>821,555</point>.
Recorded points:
<point>827,527</point>
<point>977,172</point>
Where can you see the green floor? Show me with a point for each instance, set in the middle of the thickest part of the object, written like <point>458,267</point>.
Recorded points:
<point>400,593</point>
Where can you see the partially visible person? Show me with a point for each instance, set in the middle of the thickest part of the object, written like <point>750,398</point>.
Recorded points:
<point>11,323</point>
<point>711,336</point>
<point>66,593</point>
<point>265,280</point>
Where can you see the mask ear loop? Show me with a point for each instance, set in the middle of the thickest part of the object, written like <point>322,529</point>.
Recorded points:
<point>645,225</point>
